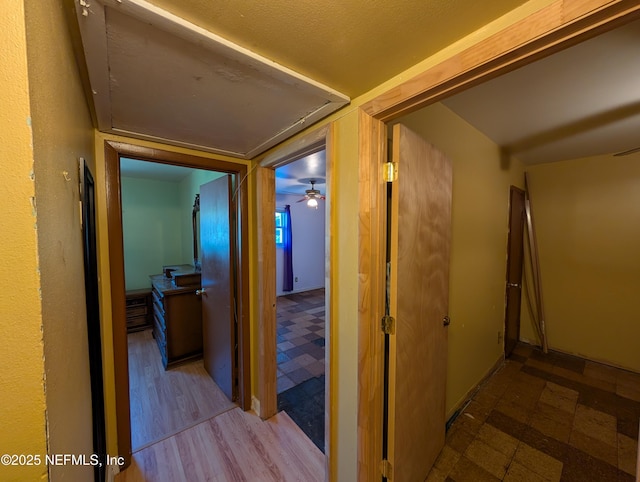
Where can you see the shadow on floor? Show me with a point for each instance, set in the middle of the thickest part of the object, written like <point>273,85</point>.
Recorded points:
<point>304,403</point>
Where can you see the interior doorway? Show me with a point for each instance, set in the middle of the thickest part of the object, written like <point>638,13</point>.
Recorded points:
<point>267,341</point>
<point>114,151</point>
<point>515,256</point>
<point>300,220</point>
<point>169,386</point>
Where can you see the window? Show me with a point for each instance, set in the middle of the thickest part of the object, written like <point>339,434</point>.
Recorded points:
<point>279,228</point>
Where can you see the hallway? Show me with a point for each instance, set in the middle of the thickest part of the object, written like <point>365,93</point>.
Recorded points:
<point>546,417</point>
<point>235,445</point>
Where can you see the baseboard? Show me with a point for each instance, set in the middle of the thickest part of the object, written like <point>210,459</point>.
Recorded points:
<point>255,405</point>
<point>464,401</point>
<point>580,355</point>
<point>112,471</point>
<point>302,290</point>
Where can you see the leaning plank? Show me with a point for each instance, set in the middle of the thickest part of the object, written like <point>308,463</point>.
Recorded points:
<point>535,262</point>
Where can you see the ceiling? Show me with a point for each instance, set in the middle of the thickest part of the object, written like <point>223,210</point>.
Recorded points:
<point>580,102</point>
<point>239,77</point>
<point>293,178</point>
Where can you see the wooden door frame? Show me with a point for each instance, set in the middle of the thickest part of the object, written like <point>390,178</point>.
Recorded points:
<point>520,192</point>
<point>265,189</point>
<point>113,151</point>
<point>559,25</point>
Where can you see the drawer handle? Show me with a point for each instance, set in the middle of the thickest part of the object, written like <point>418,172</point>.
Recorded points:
<point>201,292</point>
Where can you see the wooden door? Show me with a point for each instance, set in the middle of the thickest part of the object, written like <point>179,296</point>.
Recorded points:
<point>514,270</point>
<point>420,237</point>
<point>218,321</point>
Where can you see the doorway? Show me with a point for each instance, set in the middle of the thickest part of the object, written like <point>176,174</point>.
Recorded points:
<point>300,220</point>
<point>515,255</point>
<point>169,387</point>
<point>266,187</point>
<point>238,171</point>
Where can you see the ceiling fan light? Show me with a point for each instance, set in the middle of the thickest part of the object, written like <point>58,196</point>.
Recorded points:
<point>312,203</point>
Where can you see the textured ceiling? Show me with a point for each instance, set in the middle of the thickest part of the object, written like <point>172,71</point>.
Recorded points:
<point>349,45</point>
<point>157,82</point>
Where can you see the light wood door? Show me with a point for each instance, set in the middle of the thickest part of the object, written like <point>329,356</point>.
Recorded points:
<point>218,321</point>
<point>515,253</point>
<point>420,236</point>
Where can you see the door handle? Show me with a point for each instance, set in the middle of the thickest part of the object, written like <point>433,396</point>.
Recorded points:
<point>513,285</point>
<point>201,292</point>
<point>446,321</point>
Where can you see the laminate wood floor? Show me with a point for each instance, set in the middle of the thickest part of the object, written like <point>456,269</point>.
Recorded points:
<point>234,446</point>
<point>166,402</point>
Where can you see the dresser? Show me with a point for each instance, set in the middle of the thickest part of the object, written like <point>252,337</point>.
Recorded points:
<point>139,311</point>
<point>177,319</point>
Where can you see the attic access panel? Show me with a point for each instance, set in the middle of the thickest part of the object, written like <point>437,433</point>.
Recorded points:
<point>158,77</point>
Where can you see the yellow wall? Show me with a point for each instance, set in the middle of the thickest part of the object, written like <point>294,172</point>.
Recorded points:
<point>22,410</point>
<point>587,220</point>
<point>464,370</point>
<point>62,133</point>
<point>481,181</point>
<point>23,414</point>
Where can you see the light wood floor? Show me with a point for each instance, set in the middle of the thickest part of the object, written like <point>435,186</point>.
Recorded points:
<point>234,446</point>
<point>166,402</point>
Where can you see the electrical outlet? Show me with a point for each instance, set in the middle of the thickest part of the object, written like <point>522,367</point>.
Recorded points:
<point>499,337</point>
<point>296,279</point>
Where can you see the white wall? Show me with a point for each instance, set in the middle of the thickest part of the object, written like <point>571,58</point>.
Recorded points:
<point>308,230</point>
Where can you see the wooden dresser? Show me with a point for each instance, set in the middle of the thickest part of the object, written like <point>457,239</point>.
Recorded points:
<point>177,320</point>
<point>139,311</point>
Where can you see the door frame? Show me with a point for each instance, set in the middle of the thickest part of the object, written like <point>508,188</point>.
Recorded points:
<point>513,191</point>
<point>113,150</point>
<point>559,25</point>
<point>265,189</point>
<point>92,297</point>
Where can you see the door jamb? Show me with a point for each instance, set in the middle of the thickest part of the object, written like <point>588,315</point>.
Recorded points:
<point>559,25</point>
<point>267,383</point>
<point>113,151</point>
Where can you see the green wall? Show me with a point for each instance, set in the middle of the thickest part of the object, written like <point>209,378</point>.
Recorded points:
<point>188,188</point>
<point>151,220</point>
<point>156,223</point>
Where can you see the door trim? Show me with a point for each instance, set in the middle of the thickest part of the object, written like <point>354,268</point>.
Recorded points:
<point>267,383</point>
<point>559,25</point>
<point>113,150</point>
<point>513,190</point>
<point>555,27</point>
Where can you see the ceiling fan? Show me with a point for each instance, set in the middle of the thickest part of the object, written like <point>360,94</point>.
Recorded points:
<point>312,195</point>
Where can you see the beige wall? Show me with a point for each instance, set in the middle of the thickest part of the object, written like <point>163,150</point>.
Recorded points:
<point>22,410</point>
<point>481,180</point>
<point>587,219</point>
<point>62,133</point>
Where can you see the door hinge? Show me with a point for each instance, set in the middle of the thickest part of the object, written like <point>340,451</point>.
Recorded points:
<point>390,171</point>
<point>386,469</point>
<point>388,325</point>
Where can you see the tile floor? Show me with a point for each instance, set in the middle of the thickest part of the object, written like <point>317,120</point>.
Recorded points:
<point>300,338</point>
<point>546,417</point>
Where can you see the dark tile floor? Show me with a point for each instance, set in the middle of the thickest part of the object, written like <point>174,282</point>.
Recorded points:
<point>300,352</point>
<point>546,417</point>
<point>304,403</point>
<point>300,337</point>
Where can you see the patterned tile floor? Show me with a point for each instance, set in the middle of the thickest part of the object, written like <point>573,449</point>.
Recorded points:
<point>300,338</point>
<point>546,417</point>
